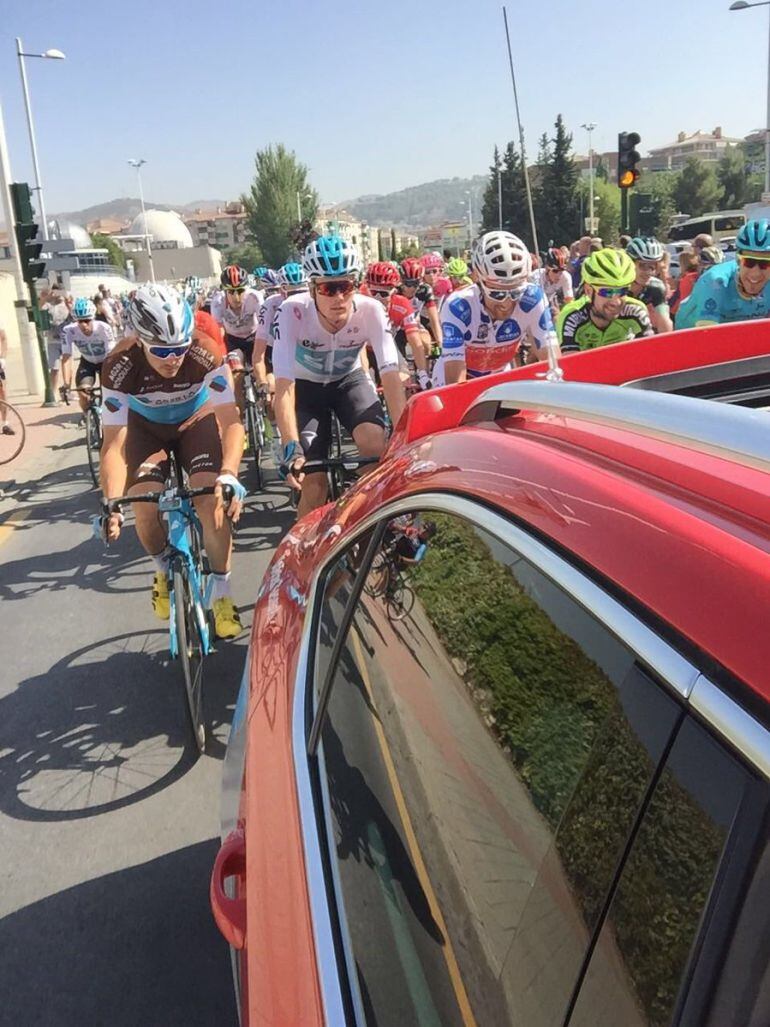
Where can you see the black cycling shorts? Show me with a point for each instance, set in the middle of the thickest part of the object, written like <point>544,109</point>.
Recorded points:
<point>246,346</point>
<point>197,444</point>
<point>352,398</point>
<point>269,359</point>
<point>86,370</point>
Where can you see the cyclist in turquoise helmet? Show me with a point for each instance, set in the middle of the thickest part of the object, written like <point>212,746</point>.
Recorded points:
<point>736,290</point>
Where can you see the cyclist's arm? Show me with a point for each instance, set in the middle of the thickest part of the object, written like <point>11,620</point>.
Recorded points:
<point>455,322</point>
<point>541,329</point>
<point>431,312</point>
<point>113,471</point>
<point>285,410</point>
<point>660,318</point>
<point>393,390</point>
<point>258,364</point>
<point>232,433</point>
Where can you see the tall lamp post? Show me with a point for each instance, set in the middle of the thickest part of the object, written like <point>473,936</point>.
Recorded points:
<point>741,5</point>
<point>137,163</point>
<point>54,55</point>
<point>589,127</point>
<point>469,194</point>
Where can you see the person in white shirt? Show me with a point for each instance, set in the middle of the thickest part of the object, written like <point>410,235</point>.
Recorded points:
<point>555,281</point>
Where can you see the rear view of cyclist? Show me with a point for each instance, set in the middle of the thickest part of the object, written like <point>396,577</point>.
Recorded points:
<point>382,281</point>
<point>93,340</point>
<point>647,254</point>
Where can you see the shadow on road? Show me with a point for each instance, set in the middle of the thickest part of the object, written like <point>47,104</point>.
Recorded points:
<point>107,726</point>
<point>138,946</point>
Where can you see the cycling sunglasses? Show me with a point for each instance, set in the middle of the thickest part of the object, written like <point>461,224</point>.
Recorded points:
<point>503,294</point>
<point>411,283</point>
<point>335,288</point>
<point>167,352</point>
<point>235,291</point>
<point>610,293</point>
<point>751,262</point>
<point>380,292</point>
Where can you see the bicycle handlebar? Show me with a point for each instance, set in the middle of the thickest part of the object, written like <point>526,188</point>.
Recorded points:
<point>111,506</point>
<point>346,463</point>
<point>65,390</point>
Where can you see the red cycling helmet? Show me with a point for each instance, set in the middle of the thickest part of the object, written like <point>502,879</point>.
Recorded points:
<point>432,262</point>
<point>233,277</point>
<point>555,258</point>
<point>384,275</point>
<point>411,268</point>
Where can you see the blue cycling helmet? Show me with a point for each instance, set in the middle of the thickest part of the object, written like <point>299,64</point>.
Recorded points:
<point>270,279</point>
<point>754,236</point>
<point>259,271</point>
<point>292,274</point>
<point>330,256</point>
<point>83,309</point>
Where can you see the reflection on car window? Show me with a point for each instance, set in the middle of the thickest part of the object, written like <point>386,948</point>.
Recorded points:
<point>644,944</point>
<point>487,746</point>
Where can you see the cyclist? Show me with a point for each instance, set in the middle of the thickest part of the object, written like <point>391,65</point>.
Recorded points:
<point>318,339</point>
<point>554,279</point>
<point>236,308</point>
<point>269,280</point>
<point>381,282</point>
<point>423,299</point>
<point>605,313</point>
<point>736,290</point>
<point>93,340</point>
<point>647,253</point>
<point>167,388</point>
<point>485,324</point>
<point>457,273</point>
<point>433,275</point>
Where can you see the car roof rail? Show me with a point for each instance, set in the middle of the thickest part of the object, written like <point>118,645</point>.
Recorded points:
<point>732,433</point>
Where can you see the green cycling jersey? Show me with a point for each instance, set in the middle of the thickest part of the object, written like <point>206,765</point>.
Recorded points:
<point>577,331</point>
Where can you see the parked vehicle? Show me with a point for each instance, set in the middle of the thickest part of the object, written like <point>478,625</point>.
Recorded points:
<point>542,796</point>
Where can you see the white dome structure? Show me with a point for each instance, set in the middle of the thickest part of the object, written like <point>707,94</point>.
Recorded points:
<point>59,229</point>
<point>165,228</point>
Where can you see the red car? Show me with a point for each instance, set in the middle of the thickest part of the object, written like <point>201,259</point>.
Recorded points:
<point>502,749</point>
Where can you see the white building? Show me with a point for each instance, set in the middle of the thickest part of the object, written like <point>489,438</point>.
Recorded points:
<point>222,228</point>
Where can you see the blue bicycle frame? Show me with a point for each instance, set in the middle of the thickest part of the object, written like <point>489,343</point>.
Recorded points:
<point>181,519</point>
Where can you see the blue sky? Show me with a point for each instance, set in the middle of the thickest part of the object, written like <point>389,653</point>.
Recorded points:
<point>372,97</point>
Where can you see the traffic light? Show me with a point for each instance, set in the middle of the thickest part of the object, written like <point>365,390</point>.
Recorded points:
<point>628,158</point>
<point>27,231</point>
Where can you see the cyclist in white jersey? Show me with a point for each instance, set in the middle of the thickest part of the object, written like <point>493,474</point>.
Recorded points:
<point>318,339</point>
<point>236,308</point>
<point>93,341</point>
<point>484,325</point>
<point>555,280</point>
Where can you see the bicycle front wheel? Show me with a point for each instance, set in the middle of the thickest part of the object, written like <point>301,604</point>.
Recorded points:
<point>256,435</point>
<point>93,443</point>
<point>12,432</point>
<point>191,654</point>
<point>400,602</point>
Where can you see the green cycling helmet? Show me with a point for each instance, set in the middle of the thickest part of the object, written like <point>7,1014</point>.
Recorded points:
<point>609,267</point>
<point>457,268</point>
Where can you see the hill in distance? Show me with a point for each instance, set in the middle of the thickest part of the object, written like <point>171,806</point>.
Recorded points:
<point>419,206</point>
<point>125,208</point>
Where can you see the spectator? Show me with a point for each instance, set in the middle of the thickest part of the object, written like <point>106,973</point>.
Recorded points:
<point>582,249</point>
<point>700,242</point>
<point>688,276</point>
<point>623,241</point>
<point>58,306</point>
<point>596,245</point>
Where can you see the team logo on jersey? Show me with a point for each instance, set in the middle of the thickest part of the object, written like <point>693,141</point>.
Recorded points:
<point>508,331</point>
<point>462,310</point>
<point>453,337</point>
<point>483,332</point>
<point>530,299</point>
<point>113,405</point>
<point>710,305</point>
<point>219,384</point>
<point>309,344</point>
<point>546,321</point>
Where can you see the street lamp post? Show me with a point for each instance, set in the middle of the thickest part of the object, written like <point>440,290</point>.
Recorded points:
<point>589,129</point>
<point>469,194</point>
<point>741,5</point>
<point>500,197</point>
<point>55,55</point>
<point>137,163</point>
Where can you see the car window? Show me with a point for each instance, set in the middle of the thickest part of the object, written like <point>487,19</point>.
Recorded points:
<point>642,952</point>
<point>487,746</point>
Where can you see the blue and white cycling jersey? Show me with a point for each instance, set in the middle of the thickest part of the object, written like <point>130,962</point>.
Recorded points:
<point>267,315</point>
<point>94,347</point>
<point>303,349</point>
<point>469,334</point>
<point>715,299</point>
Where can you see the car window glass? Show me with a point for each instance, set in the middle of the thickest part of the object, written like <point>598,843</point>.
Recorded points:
<point>642,951</point>
<point>479,725</point>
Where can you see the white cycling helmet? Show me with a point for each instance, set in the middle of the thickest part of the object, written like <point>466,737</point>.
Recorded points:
<point>331,256</point>
<point>644,247</point>
<point>501,258</point>
<point>158,314</point>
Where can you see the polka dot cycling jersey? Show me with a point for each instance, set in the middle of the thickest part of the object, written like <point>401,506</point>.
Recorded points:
<point>470,334</point>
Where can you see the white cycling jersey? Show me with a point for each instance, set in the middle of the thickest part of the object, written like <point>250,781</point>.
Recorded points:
<point>94,347</point>
<point>560,290</point>
<point>240,323</point>
<point>303,349</point>
<point>267,315</point>
<point>469,334</point>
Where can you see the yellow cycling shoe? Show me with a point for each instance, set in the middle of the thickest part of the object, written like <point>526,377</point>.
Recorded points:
<point>227,622</point>
<point>160,605</point>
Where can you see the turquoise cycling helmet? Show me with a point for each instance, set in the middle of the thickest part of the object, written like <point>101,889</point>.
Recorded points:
<point>330,256</point>
<point>83,309</point>
<point>754,236</point>
<point>292,274</point>
<point>259,271</point>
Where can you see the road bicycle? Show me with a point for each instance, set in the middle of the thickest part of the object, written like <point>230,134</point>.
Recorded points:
<point>386,579</point>
<point>94,431</point>
<point>340,472</point>
<point>256,419</point>
<point>191,623</point>
<point>13,432</point>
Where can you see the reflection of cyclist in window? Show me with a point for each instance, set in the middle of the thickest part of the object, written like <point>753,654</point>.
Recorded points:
<point>406,545</point>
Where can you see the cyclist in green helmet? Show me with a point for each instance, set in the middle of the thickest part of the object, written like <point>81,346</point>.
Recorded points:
<point>606,312</point>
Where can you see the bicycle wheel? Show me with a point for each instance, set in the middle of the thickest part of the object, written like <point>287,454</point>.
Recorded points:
<point>93,443</point>
<point>256,433</point>
<point>190,653</point>
<point>400,602</point>
<point>377,578</point>
<point>12,432</point>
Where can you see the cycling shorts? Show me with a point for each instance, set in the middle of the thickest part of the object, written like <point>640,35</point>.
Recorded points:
<point>246,346</point>
<point>197,444</point>
<point>269,359</point>
<point>86,371</point>
<point>352,398</point>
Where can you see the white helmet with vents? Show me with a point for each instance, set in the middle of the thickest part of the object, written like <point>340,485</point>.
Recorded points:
<point>501,258</point>
<point>158,314</point>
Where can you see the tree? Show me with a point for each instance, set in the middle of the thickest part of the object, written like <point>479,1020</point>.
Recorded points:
<point>739,186</point>
<point>606,207</point>
<point>105,242</point>
<point>271,203</point>
<point>490,215</point>
<point>515,213</point>
<point>697,189</point>
<point>247,255</point>
<point>559,208</point>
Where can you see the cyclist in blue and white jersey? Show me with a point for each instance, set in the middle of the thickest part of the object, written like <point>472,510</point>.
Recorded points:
<point>736,290</point>
<point>318,340</point>
<point>167,388</point>
<point>292,279</point>
<point>93,340</point>
<point>485,325</point>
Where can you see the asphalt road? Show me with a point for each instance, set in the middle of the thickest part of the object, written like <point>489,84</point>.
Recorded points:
<point>108,826</point>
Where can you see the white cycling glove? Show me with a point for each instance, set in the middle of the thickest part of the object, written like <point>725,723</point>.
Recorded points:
<point>239,492</point>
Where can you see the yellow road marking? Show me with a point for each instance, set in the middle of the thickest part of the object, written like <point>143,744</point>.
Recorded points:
<point>10,523</point>
<point>414,849</point>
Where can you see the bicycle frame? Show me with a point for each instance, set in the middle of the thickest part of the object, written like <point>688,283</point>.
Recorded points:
<point>179,514</point>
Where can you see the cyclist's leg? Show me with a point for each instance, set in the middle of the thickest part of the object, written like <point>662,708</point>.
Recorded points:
<point>54,354</point>
<point>246,346</point>
<point>147,455</point>
<point>314,424</point>
<point>85,378</point>
<point>360,412</point>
